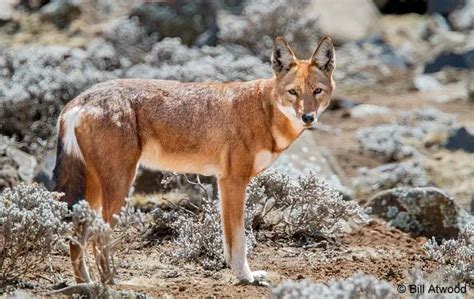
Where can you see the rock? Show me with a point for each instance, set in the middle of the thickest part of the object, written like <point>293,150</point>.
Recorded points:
<point>438,23</point>
<point>405,33</point>
<point>26,163</point>
<point>305,156</point>
<point>148,181</point>
<point>364,62</point>
<point>464,60</point>
<point>461,139</point>
<point>8,176</point>
<point>401,6</point>
<point>60,12</point>
<point>32,5</point>
<point>7,11</point>
<point>346,20</point>
<point>341,103</point>
<point>426,211</point>
<point>463,17</point>
<point>443,7</point>
<point>44,173</point>
<point>448,93</point>
<point>472,204</point>
<point>470,89</point>
<point>426,83</point>
<point>192,21</point>
<point>407,173</point>
<point>386,53</point>
<point>367,110</point>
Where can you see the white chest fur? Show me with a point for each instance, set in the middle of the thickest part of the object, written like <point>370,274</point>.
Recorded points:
<point>262,160</point>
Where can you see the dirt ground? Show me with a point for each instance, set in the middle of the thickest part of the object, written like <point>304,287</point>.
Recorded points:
<point>370,249</point>
<point>375,248</point>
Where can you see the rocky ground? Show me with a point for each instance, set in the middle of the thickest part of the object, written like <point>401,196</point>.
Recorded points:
<point>401,117</point>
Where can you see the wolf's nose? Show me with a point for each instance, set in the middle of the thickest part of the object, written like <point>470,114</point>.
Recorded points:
<point>308,118</point>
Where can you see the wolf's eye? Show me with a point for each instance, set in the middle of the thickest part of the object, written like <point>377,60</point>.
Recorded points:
<point>292,92</point>
<point>317,91</point>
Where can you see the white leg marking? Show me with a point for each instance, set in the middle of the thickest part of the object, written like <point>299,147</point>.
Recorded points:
<point>71,119</point>
<point>238,260</point>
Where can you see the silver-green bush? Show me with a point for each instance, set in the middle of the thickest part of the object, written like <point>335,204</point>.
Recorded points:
<point>306,207</point>
<point>357,286</point>
<point>31,228</point>
<point>455,257</point>
<point>263,20</point>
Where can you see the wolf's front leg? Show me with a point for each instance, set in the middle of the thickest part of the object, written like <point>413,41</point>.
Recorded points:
<point>232,191</point>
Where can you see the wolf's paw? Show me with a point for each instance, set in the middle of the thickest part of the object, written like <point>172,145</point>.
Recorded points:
<point>257,278</point>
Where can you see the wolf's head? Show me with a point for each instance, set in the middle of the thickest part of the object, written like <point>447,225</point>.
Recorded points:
<point>303,87</point>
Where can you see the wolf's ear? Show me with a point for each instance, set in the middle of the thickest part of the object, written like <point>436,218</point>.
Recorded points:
<point>324,57</point>
<point>282,56</point>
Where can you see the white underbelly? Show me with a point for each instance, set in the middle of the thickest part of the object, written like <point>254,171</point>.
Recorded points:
<point>153,157</point>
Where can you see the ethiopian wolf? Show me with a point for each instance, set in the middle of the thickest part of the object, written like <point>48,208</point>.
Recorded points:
<point>230,130</point>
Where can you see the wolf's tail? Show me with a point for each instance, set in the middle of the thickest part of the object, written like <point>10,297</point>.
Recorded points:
<point>69,172</point>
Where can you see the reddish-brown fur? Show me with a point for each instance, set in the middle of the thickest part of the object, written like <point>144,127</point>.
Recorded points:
<point>231,130</point>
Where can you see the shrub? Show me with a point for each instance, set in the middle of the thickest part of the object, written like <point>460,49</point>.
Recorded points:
<point>196,230</point>
<point>31,228</point>
<point>455,257</point>
<point>263,20</point>
<point>89,227</point>
<point>38,82</point>
<point>396,141</point>
<point>129,39</point>
<point>301,209</point>
<point>169,59</point>
<point>428,120</point>
<point>199,236</point>
<point>387,176</point>
<point>306,207</point>
<point>388,141</point>
<point>357,286</point>
<point>35,82</point>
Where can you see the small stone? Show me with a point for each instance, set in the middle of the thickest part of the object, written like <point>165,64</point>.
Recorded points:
<point>464,60</point>
<point>367,110</point>
<point>426,83</point>
<point>461,139</point>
